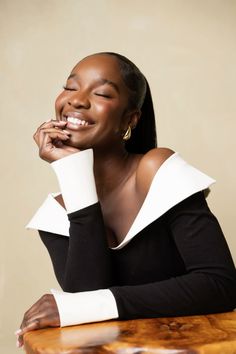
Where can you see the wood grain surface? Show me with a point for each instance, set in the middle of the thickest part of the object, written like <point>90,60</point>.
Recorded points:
<point>180,335</point>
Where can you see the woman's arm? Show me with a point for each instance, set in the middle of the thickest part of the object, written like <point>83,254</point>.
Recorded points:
<point>57,247</point>
<point>82,262</point>
<point>209,284</point>
<point>88,264</point>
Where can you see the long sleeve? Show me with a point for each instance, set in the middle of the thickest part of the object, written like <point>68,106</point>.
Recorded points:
<point>209,284</point>
<point>82,262</point>
<point>88,259</point>
<point>82,266</point>
<point>57,246</point>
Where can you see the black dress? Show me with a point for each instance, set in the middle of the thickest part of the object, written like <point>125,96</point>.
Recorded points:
<point>177,264</point>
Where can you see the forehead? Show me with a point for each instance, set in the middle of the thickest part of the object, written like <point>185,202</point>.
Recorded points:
<point>99,66</point>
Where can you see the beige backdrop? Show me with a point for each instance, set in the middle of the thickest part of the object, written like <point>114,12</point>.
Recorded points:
<point>187,50</point>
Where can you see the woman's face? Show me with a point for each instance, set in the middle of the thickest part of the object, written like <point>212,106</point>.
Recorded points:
<point>94,103</point>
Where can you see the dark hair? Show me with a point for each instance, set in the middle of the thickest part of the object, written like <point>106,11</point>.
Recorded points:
<point>143,137</point>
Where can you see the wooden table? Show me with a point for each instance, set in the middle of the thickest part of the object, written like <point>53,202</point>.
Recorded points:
<point>195,334</point>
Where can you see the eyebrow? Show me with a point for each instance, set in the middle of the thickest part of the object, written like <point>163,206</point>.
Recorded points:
<point>109,82</point>
<point>101,81</point>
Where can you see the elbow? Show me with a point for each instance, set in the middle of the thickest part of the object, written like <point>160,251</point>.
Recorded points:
<point>74,285</point>
<point>230,293</point>
<point>226,292</point>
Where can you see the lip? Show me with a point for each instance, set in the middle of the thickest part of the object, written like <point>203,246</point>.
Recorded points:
<point>83,123</point>
<point>78,115</point>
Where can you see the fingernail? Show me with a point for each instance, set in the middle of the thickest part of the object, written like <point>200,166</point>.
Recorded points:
<point>17,344</point>
<point>17,332</point>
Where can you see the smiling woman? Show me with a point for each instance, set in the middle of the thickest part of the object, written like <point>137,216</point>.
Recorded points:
<point>130,235</point>
<point>95,91</point>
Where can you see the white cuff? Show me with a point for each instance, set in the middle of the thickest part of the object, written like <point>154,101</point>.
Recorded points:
<point>50,217</point>
<point>85,307</point>
<point>76,180</point>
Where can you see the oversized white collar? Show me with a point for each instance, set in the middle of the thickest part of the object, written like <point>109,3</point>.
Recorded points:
<point>174,181</point>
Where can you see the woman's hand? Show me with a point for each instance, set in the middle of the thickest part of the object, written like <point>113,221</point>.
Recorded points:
<point>44,313</point>
<point>50,138</point>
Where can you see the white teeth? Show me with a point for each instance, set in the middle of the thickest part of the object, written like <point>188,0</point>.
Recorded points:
<point>76,121</point>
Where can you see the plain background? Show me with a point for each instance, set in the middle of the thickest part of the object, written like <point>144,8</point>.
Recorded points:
<point>186,49</point>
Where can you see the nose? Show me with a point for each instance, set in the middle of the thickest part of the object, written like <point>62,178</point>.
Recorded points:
<point>79,99</point>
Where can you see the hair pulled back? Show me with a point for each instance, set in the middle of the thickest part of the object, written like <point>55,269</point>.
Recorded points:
<point>143,137</point>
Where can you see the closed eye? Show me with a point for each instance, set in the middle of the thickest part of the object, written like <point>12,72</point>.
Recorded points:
<point>68,88</point>
<point>102,95</point>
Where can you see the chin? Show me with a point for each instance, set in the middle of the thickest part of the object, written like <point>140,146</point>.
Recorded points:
<point>78,145</point>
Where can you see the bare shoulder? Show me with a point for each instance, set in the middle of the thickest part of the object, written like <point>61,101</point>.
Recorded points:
<point>149,165</point>
<point>154,158</point>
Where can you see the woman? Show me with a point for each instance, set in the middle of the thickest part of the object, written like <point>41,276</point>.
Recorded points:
<point>143,242</point>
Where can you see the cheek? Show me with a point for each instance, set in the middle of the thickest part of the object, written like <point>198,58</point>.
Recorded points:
<point>60,102</point>
<point>111,118</point>
<point>108,110</point>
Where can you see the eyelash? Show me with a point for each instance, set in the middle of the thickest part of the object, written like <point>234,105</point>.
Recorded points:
<point>97,94</point>
<point>68,89</point>
<point>102,95</point>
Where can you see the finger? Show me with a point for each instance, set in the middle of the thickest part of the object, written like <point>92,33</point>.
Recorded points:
<point>19,342</point>
<point>30,326</point>
<point>41,320</point>
<point>20,339</point>
<point>28,314</point>
<point>49,124</point>
<point>50,149</point>
<point>38,317</point>
<point>53,130</point>
<point>32,313</point>
<point>53,122</point>
<point>33,309</point>
<point>46,137</point>
<point>47,141</point>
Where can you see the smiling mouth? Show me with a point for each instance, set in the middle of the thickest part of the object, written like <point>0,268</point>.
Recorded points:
<point>77,121</point>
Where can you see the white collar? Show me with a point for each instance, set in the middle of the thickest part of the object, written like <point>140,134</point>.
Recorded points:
<point>174,181</point>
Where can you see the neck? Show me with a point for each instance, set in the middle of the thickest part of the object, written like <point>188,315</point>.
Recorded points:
<point>111,166</point>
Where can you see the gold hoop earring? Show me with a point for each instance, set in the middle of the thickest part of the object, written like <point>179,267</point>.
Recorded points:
<point>127,134</point>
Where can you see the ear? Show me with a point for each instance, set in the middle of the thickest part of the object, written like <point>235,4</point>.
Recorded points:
<point>133,118</point>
